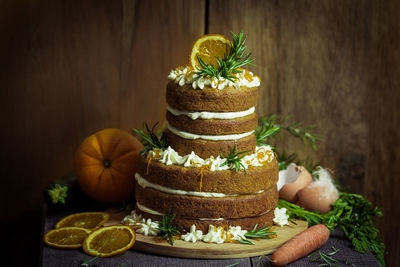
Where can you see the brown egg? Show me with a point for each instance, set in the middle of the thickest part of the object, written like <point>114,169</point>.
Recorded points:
<point>319,195</point>
<point>297,177</point>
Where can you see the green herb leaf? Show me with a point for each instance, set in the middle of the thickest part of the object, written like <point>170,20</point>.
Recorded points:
<point>262,232</point>
<point>235,158</point>
<point>167,230</point>
<point>150,138</point>
<point>352,213</point>
<point>229,65</point>
<point>269,126</point>
<point>328,259</point>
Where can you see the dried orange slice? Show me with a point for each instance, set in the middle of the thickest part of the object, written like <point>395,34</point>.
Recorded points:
<point>207,47</point>
<point>88,220</point>
<point>109,240</point>
<point>67,237</point>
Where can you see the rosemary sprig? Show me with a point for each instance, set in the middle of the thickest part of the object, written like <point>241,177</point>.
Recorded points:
<point>271,125</point>
<point>229,65</point>
<point>266,128</point>
<point>150,138</point>
<point>235,158</point>
<point>261,233</point>
<point>167,230</point>
<point>328,259</point>
<point>85,263</point>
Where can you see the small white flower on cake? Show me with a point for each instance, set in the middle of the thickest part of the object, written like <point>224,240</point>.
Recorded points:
<point>236,232</point>
<point>193,236</point>
<point>132,219</point>
<point>214,235</point>
<point>281,218</point>
<point>147,227</point>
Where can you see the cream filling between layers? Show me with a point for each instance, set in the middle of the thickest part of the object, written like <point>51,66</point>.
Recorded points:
<point>205,115</point>
<point>144,183</point>
<point>154,212</point>
<point>187,135</point>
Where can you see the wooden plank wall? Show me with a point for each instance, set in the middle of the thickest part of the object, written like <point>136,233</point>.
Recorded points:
<point>70,68</point>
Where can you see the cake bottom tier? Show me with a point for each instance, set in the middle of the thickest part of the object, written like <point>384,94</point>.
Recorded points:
<point>246,223</point>
<point>239,206</point>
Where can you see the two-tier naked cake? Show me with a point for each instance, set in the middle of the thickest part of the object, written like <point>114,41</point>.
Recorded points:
<point>208,118</point>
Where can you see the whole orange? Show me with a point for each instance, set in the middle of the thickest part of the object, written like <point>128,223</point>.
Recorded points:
<point>105,165</point>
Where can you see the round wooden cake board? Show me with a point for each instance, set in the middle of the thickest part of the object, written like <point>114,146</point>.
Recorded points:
<point>202,250</point>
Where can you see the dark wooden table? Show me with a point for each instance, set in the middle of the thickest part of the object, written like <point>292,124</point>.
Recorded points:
<point>52,257</point>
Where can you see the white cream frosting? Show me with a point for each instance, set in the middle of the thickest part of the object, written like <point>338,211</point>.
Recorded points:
<point>192,160</point>
<point>186,75</point>
<point>170,156</point>
<point>144,183</point>
<point>205,115</point>
<point>193,236</point>
<point>193,136</point>
<point>262,155</point>
<point>148,210</point>
<point>154,212</point>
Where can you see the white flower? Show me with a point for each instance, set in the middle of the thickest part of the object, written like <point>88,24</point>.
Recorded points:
<point>280,217</point>
<point>214,235</point>
<point>132,219</point>
<point>147,227</point>
<point>193,236</point>
<point>237,232</point>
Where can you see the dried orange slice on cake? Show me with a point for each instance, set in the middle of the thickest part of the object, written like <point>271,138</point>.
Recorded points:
<point>109,240</point>
<point>208,47</point>
<point>88,220</point>
<point>67,237</point>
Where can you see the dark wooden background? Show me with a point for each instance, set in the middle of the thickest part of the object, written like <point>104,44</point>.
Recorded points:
<point>70,68</point>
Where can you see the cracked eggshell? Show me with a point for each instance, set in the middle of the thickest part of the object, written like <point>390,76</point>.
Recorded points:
<point>320,194</point>
<point>293,179</point>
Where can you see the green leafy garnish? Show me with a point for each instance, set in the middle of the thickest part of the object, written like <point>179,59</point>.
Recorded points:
<point>352,213</point>
<point>85,263</point>
<point>261,233</point>
<point>151,139</point>
<point>167,230</point>
<point>229,65</point>
<point>58,193</point>
<point>235,158</point>
<point>328,259</point>
<point>269,126</point>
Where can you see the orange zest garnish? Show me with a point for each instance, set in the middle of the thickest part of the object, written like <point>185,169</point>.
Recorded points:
<point>148,165</point>
<point>202,168</point>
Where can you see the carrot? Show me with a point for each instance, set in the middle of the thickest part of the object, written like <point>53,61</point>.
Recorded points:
<point>301,245</point>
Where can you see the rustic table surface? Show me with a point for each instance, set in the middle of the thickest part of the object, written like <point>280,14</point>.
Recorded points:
<point>52,257</point>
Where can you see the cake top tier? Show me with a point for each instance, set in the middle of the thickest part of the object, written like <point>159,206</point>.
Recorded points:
<point>217,62</point>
